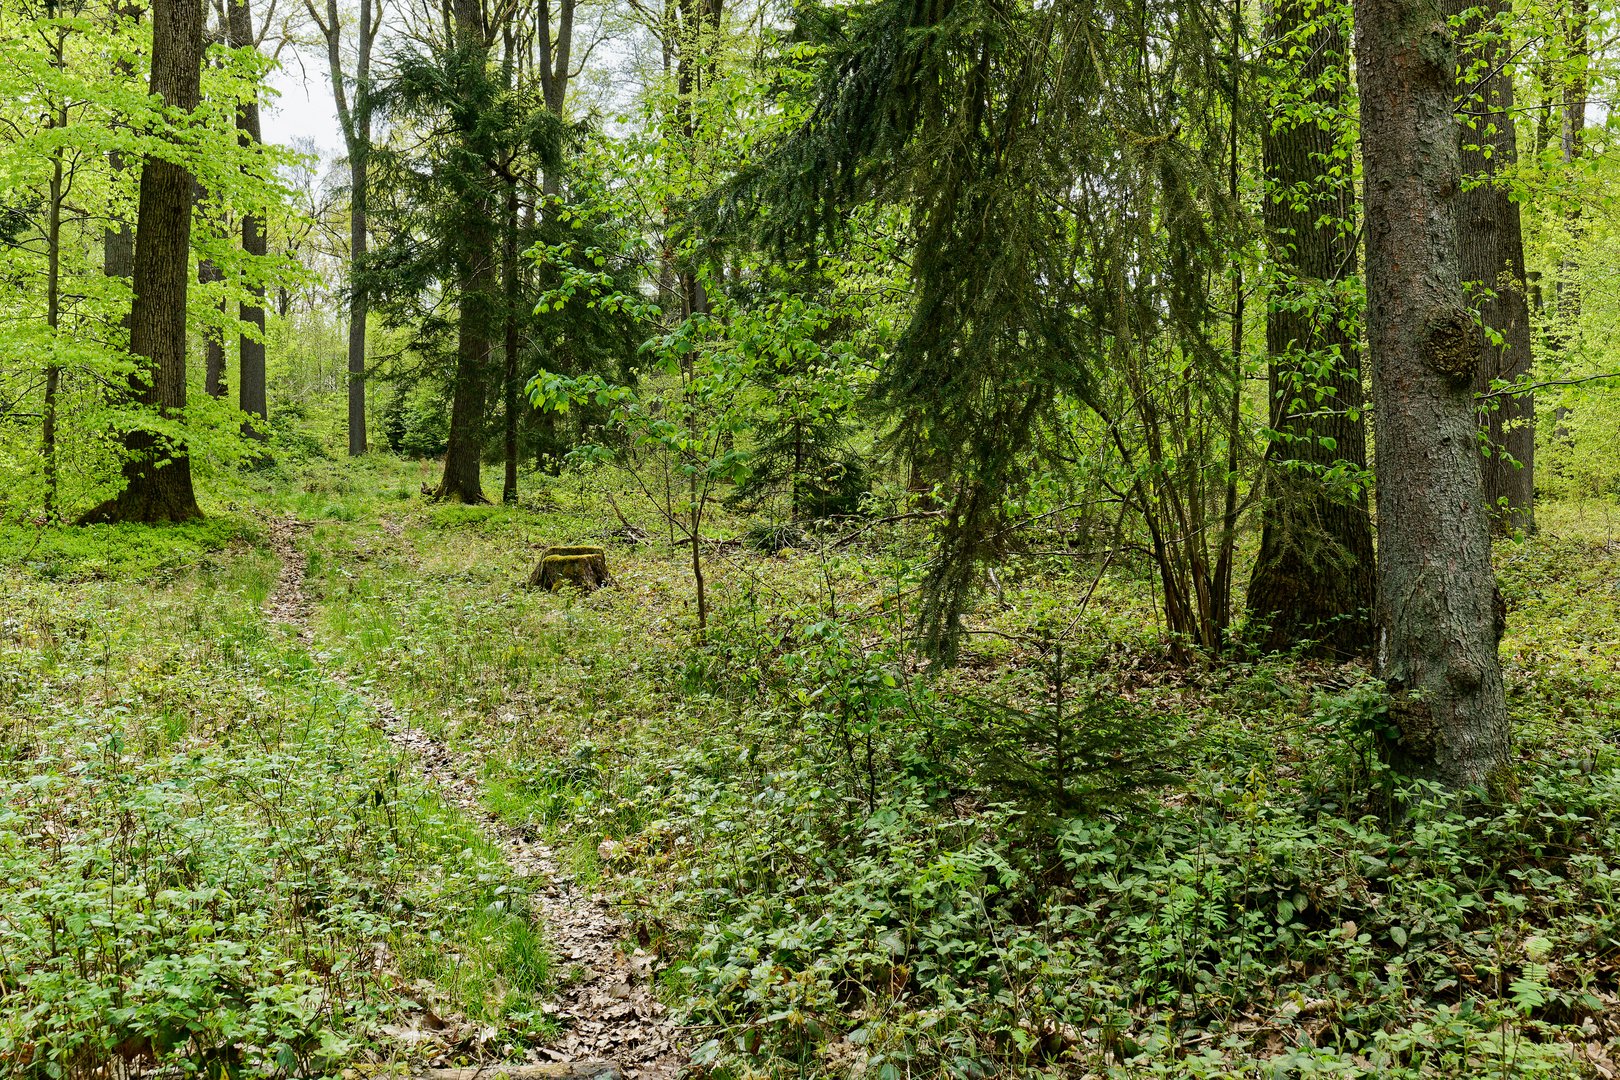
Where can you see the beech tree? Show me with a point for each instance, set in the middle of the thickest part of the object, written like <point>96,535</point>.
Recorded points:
<point>354,111</point>
<point>157,471</point>
<point>1437,613</point>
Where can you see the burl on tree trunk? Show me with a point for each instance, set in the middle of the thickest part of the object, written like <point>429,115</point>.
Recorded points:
<point>1437,614</point>
<point>584,567</point>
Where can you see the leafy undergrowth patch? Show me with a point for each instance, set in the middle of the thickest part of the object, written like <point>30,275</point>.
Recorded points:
<point>118,552</point>
<point>209,860</point>
<point>1065,857</point>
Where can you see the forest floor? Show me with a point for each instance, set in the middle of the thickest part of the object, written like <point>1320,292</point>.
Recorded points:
<point>316,785</point>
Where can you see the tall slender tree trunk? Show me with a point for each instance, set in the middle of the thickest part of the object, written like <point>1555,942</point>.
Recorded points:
<point>157,470</point>
<point>477,286</point>
<point>358,305</point>
<point>355,123</point>
<point>250,376</point>
<point>213,343</point>
<point>509,382</point>
<point>53,288</point>
<point>1313,579</point>
<point>118,242</point>
<point>209,273</point>
<point>1578,45</point>
<point>1490,245</point>
<point>1437,631</point>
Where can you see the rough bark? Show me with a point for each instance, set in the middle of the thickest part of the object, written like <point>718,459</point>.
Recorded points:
<point>476,285</point>
<point>1313,579</point>
<point>1436,621</point>
<point>584,567</point>
<point>157,471</point>
<point>1490,247</point>
<point>250,376</point>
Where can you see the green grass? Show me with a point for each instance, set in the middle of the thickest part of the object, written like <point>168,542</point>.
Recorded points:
<point>848,865</point>
<point>209,857</point>
<point>842,869</point>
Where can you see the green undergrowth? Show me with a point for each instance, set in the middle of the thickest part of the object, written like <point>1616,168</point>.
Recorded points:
<point>210,861</point>
<point>118,552</point>
<point>1065,857</point>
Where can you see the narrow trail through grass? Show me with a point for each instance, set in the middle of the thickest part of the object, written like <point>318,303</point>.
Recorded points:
<point>611,1020</point>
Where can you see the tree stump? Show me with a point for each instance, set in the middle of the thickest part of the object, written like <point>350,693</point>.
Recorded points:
<point>584,567</point>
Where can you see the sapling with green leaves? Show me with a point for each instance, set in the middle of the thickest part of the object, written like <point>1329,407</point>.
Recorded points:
<point>684,414</point>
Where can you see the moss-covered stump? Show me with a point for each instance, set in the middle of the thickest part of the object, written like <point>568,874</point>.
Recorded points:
<point>584,567</point>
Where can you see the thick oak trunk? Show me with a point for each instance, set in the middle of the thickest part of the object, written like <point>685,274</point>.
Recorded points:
<point>1490,246</point>
<point>1436,625</point>
<point>157,471</point>
<point>1313,579</point>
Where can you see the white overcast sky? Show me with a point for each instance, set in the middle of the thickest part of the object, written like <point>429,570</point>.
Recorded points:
<point>304,108</point>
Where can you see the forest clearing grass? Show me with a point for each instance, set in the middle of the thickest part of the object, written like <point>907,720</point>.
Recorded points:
<point>209,859</point>
<point>854,868</point>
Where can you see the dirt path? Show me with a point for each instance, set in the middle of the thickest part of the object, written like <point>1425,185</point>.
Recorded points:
<point>608,1013</point>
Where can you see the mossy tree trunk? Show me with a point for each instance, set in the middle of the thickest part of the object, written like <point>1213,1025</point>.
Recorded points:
<point>477,283</point>
<point>1436,623</point>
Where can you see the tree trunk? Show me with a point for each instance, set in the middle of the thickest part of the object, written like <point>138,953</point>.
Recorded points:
<point>509,384</point>
<point>157,471</point>
<point>250,376</point>
<point>1313,579</point>
<point>1437,631</point>
<point>358,305</point>
<point>1577,36</point>
<point>1490,245</point>
<point>356,127</point>
<point>213,346</point>
<point>53,292</point>
<point>476,286</point>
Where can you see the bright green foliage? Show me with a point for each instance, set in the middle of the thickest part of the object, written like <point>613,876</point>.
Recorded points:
<point>846,867</point>
<point>98,93</point>
<point>208,857</point>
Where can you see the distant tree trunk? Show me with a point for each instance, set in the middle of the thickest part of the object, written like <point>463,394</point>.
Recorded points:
<point>1577,42</point>
<point>1490,244</point>
<point>157,471</point>
<point>555,52</point>
<point>512,397</point>
<point>476,286</point>
<point>250,375</point>
<point>53,287</point>
<point>700,22</point>
<point>1437,631</point>
<point>358,305</point>
<point>355,123</point>
<point>510,296</point>
<point>1313,579</point>
<point>213,344</point>
<point>118,242</point>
